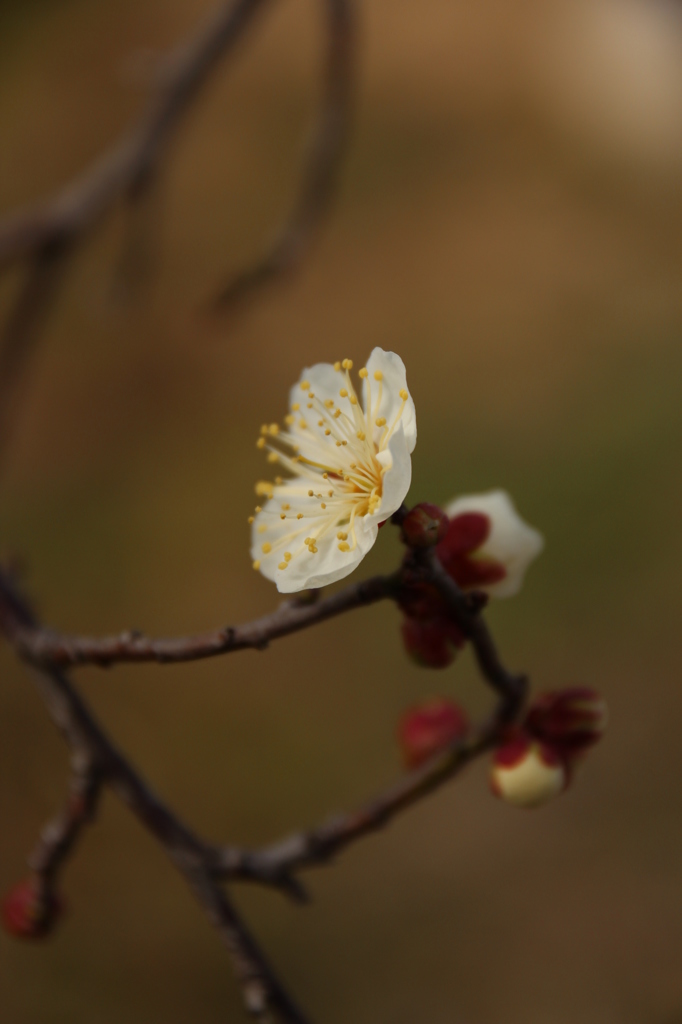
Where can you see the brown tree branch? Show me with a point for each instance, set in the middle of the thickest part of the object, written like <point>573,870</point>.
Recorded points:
<point>44,236</point>
<point>42,646</point>
<point>193,858</point>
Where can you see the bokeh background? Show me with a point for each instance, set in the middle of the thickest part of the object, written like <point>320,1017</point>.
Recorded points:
<point>510,221</point>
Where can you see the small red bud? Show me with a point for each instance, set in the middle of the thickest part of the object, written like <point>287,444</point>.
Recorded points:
<point>526,772</point>
<point>424,526</point>
<point>432,643</point>
<point>427,728</point>
<point>28,911</point>
<point>571,720</point>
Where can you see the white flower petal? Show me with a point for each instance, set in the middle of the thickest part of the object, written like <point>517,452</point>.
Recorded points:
<point>398,476</point>
<point>386,401</point>
<point>511,540</point>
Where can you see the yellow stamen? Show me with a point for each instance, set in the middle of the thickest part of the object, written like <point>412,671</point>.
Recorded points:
<point>381,421</point>
<point>267,548</point>
<point>343,393</point>
<point>378,375</point>
<point>282,565</point>
<point>344,546</point>
<point>403,394</point>
<point>256,565</point>
<point>347,364</point>
<point>260,443</point>
<point>305,385</point>
<point>363,372</point>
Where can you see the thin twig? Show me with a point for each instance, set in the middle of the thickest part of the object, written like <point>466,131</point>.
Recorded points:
<point>59,836</point>
<point>320,172</point>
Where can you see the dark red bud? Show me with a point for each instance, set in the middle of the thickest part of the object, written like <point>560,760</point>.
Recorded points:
<point>29,911</point>
<point>466,533</point>
<point>431,643</point>
<point>571,720</point>
<point>427,728</point>
<point>424,526</point>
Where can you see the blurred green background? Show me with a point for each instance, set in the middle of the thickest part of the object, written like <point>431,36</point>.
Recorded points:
<point>509,221</point>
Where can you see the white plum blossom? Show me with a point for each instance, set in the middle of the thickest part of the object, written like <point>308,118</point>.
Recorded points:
<point>510,543</point>
<point>349,457</point>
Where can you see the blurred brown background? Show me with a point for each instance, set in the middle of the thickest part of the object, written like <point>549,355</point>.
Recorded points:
<point>510,222</point>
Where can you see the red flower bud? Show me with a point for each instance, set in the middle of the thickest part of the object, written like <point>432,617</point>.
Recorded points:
<point>459,551</point>
<point>424,526</point>
<point>427,728</point>
<point>29,911</point>
<point>431,643</point>
<point>571,720</point>
<point>526,772</point>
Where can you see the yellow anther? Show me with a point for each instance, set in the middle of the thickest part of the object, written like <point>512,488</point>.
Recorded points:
<point>338,444</point>
<point>282,565</point>
<point>380,421</point>
<point>363,372</point>
<point>260,443</point>
<point>403,394</point>
<point>327,432</point>
<point>256,565</point>
<point>330,494</point>
<point>343,546</point>
<point>264,428</point>
<point>347,364</point>
<point>302,424</point>
<point>287,556</point>
<point>274,429</point>
<point>282,515</point>
<point>329,403</point>
<point>311,395</point>
<point>278,480</point>
<point>289,420</point>
<point>286,507</point>
<point>267,548</point>
<point>320,423</point>
<point>325,476</point>
<point>344,443</point>
<point>310,493</point>
<point>305,384</point>
<point>312,550</point>
<point>299,515</point>
<point>361,435</point>
<point>264,489</point>
<point>273,457</point>
<point>262,528</point>
<point>323,505</point>
<point>353,400</point>
<point>252,519</point>
<point>341,535</point>
<point>337,414</point>
<point>308,540</point>
<point>310,405</point>
<point>258,508</point>
<point>295,407</point>
<point>343,393</point>
<point>378,375</point>
<point>337,366</point>
<point>353,465</point>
